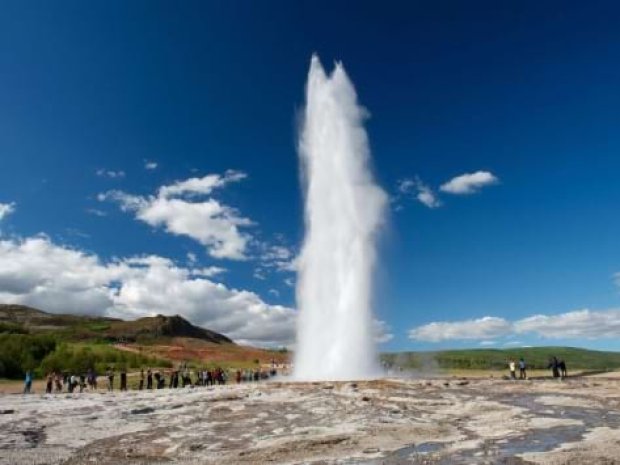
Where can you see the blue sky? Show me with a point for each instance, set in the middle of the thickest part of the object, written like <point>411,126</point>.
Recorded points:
<point>526,92</point>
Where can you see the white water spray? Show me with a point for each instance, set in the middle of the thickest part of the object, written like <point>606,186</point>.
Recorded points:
<point>343,212</point>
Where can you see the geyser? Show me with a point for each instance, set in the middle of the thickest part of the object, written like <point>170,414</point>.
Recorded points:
<point>344,209</point>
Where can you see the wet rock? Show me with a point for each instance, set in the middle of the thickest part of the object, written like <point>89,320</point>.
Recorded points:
<point>366,399</point>
<point>7,411</point>
<point>462,383</point>
<point>142,411</point>
<point>371,450</point>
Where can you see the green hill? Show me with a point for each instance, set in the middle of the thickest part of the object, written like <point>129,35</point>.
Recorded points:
<point>23,319</point>
<point>497,359</point>
<point>31,339</point>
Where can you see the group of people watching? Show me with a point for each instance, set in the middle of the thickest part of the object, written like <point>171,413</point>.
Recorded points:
<point>148,379</point>
<point>557,366</point>
<point>513,369</point>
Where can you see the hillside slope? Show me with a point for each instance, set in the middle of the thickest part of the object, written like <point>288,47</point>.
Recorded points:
<point>81,328</point>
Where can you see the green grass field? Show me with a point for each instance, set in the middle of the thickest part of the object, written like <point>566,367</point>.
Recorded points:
<point>537,358</point>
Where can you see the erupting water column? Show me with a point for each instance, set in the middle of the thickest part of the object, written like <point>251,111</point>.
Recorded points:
<point>344,210</point>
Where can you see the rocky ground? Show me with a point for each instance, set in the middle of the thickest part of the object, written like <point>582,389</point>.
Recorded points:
<point>393,421</point>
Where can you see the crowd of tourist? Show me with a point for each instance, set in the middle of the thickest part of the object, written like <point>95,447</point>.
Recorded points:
<point>149,379</point>
<point>557,367</point>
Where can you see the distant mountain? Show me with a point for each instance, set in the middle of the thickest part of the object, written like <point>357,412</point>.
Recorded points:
<point>82,327</point>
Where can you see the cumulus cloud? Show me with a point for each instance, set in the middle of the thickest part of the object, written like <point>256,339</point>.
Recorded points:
<point>110,174</point>
<point>181,209</point>
<point>469,183</point>
<point>6,209</point>
<point>58,279</point>
<point>487,327</point>
<point>419,191</point>
<point>586,324</point>
<point>579,324</point>
<point>150,165</point>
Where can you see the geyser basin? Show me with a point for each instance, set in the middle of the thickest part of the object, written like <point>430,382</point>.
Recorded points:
<point>344,209</point>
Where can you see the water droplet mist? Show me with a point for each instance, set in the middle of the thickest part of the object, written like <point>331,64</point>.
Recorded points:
<point>344,211</point>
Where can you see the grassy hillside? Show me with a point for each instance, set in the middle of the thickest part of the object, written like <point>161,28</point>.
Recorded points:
<point>41,342</point>
<point>496,359</point>
<point>19,318</point>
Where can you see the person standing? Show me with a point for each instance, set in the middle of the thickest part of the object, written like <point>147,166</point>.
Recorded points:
<point>58,380</point>
<point>513,369</point>
<point>28,382</point>
<point>522,372</point>
<point>149,379</point>
<point>554,365</point>
<point>123,379</point>
<point>562,368</point>
<point>110,374</point>
<point>141,386</point>
<point>49,382</point>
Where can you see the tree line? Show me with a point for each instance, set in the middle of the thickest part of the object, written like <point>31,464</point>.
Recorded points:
<point>45,353</point>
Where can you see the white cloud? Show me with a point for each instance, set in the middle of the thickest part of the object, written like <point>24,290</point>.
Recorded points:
<point>150,165</point>
<point>420,191</point>
<point>487,327</point>
<point>207,272</point>
<point>37,272</point>
<point>427,197</point>
<point>586,324</point>
<point>6,209</point>
<point>208,221</point>
<point>96,212</point>
<point>110,173</point>
<point>382,332</point>
<point>201,186</point>
<point>278,257</point>
<point>469,183</point>
<point>579,324</point>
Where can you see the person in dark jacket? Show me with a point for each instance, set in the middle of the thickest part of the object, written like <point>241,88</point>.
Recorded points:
<point>149,379</point>
<point>555,367</point>
<point>123,379</point>
<point>562,367</point>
